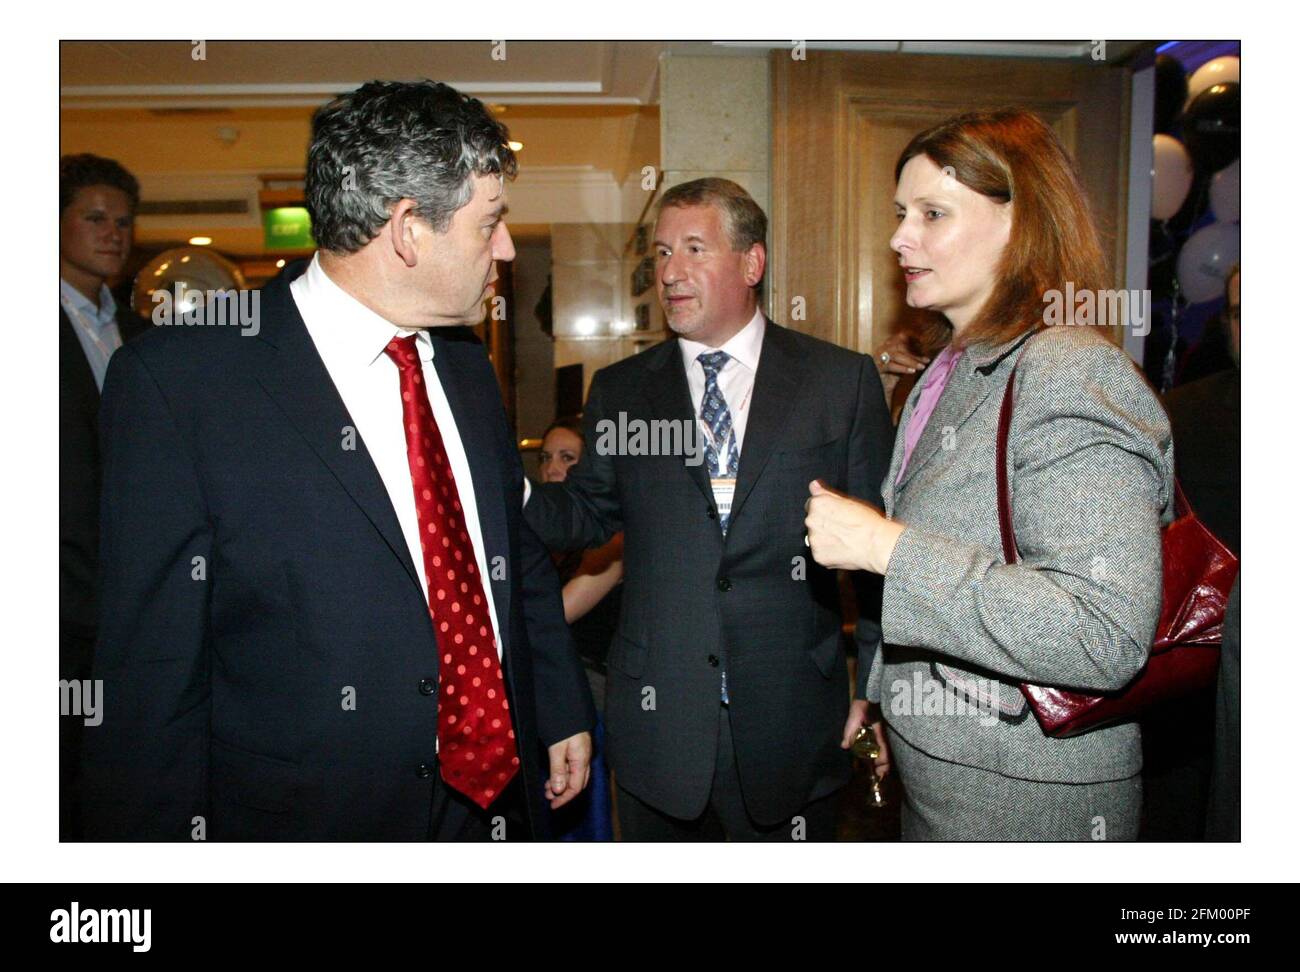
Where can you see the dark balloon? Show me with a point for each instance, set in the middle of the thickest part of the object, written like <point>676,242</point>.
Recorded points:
<point>1212,127</point>
<point>1171,91</point>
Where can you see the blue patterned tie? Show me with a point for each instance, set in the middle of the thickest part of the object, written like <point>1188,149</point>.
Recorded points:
<point>716,415</point>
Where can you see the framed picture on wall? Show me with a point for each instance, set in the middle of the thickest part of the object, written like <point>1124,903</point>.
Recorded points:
<point>643,276</point>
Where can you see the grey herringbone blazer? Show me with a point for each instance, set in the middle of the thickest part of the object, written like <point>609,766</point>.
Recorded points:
<point>1090,459</point>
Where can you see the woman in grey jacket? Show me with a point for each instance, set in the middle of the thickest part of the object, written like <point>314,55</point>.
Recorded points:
<point>994,236</point>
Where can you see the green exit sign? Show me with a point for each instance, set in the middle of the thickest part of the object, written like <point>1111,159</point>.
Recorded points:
<point>287,228</point>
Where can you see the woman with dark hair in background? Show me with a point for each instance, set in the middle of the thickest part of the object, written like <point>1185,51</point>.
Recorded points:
<point>592,595</point>
<point>591,578</point>
<point>992,222</point>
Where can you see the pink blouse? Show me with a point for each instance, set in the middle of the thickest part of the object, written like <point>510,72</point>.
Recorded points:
<point>936,378</point>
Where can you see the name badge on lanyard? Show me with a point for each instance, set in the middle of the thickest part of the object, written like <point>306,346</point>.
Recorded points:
<point>724,489</point>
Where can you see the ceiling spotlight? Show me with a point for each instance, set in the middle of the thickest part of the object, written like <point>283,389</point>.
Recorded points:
<point>200,240</point>
<point>515,146</point>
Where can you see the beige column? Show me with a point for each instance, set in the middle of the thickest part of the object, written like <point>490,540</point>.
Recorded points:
<point>715,119</point>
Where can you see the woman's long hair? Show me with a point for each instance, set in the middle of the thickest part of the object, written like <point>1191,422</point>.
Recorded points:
<point>1010,154</point>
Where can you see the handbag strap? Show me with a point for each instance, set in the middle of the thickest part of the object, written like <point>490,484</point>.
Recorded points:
<point>1009,551</point>
<point>1181,506</point>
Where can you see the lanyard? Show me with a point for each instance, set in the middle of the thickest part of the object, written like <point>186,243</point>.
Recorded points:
<point>91,328</point>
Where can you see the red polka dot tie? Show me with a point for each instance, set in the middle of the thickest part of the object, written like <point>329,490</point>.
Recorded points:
<point>476,741</point>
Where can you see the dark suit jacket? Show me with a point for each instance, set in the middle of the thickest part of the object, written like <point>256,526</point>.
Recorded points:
<point>754,603</point>
<point>79,478</point>
<point>224,687</point>
<point>1223,812</point>
<point>1206,420</point>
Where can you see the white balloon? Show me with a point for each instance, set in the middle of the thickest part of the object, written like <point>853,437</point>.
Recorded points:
<point>1171,176</point>
<point>1225,193</point>
<point>1205,260</point>
<point>1221,69</point>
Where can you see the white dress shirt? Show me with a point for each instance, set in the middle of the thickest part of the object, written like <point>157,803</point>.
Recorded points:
<point>736,382</point>
<point>735,378</point>
<point>351,339</point>
<point>96,327</point>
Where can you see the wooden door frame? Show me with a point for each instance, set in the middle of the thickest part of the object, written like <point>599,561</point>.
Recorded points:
<point>818,239</point>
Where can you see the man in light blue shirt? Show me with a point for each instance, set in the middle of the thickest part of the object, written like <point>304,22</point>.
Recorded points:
<point>97,204</point>
<point>95,325</point>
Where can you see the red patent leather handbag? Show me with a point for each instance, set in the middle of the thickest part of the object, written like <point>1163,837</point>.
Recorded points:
<point>1198,575</point>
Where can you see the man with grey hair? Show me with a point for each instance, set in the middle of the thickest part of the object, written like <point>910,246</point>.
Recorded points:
<point>323,617</point>
<point>727,700</point>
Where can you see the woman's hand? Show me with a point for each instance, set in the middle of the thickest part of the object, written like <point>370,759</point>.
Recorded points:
<point>846,533</point>
<point>895,356</point>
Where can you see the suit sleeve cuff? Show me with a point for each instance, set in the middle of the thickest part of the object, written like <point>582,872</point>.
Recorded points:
<point>868,638</point>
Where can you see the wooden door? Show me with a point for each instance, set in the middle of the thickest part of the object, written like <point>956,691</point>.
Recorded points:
<point>839,123</point>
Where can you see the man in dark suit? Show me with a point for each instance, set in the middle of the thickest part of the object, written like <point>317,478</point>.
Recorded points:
<point>97,204</point>
<point>728,705</point>
<point>1180,738</point>
<point>323,618</point>
<point>1206,418</point>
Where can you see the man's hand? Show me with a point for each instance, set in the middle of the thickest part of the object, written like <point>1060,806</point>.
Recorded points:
<point>857,718</point>
<point>882,761</point>
<point>570,769</point>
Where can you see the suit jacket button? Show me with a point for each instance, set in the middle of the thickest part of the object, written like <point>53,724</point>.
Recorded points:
<point>713,514</point>
<point>427,687</point>
<point>713,661</point>
<point>424,771</point>
<point>724,583</point>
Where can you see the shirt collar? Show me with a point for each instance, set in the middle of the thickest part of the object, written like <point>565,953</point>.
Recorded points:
<point>941,368</point>
<point>744,346</point>
<point>355,334</point>
<point>102,315</point>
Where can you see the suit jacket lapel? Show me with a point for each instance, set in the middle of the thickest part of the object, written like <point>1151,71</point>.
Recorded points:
<point>670,398</point>
<point>896,460</point>
<point>776,387</point>
<point>972,380</point>
<point>474,404</point>
<point>73,355</point>
<point>293,374</point>
<point>963,395</point>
